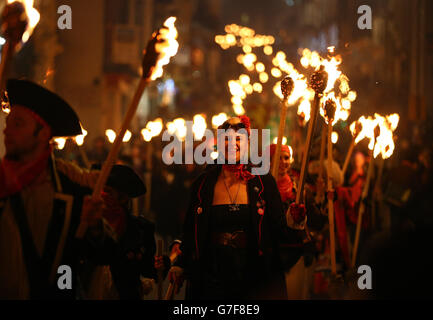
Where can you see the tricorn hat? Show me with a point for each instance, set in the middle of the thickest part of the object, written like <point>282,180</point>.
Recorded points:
<point>55,111</point>
<point>124,179</point>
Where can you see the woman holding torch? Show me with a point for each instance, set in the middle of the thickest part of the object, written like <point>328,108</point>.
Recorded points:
<point>297,257</point>
<point>232,228</point>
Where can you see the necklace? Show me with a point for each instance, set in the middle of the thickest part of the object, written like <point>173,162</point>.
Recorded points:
<point>233,207</point>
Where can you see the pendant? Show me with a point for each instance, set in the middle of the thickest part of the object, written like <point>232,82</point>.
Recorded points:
<point>233,207</point>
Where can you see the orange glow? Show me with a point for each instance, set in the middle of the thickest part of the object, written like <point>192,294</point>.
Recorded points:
<point>33,17</point>
<point>168,48</point>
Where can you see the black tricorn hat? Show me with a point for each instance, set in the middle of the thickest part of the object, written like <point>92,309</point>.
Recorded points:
<point>125,179</point>
<point>56,112</point>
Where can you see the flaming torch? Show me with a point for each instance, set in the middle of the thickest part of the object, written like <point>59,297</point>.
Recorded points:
<point>380,132</point>
<point>18,20</point>
<point>160,49</point>
<point>376,132</point>
<point>79,141</point>
<point>287,86</point>
<point>330,108</point>
<point>318,82</point>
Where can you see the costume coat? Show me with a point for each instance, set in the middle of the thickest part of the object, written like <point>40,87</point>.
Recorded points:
<point>268,231</point>
<point>61,247</point>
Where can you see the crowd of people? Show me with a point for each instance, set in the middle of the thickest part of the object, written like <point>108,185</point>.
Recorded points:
<point>230,234</point>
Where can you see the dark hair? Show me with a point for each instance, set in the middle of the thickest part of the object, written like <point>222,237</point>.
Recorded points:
<point>237,126</point>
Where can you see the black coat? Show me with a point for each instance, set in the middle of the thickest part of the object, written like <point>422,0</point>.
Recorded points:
<point>269,231</point>
<point>134,257</point>
<point>67,203</point>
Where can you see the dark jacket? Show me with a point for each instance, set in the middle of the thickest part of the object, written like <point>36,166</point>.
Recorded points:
<point>66,215</point>
<point>134,257</point>
<point>269,230</point>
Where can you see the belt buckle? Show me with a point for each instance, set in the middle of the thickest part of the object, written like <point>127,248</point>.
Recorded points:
<point>230,239</point>
<point>227,239</point>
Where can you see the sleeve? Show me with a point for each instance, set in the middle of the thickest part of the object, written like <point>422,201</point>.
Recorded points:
<point>277,216</point>
<point>147,248</point>
<point>188,241</point>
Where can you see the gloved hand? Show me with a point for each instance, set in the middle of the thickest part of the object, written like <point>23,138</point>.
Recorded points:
<point>147,285</point>
<point>298,212</point>
<point>175,275</point>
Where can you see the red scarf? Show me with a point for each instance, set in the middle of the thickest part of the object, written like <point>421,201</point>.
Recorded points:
<point>14,176</point>
<point>285,185</point>
<point>239,170</point>
<point>114,214</point>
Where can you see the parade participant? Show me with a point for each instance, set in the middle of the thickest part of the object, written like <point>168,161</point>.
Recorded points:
<point>41,207</point>
<point>132,265</point>
<point>285,184</point>
<point>347,203</point>
<point>297,258</point>
<point>232,229</point>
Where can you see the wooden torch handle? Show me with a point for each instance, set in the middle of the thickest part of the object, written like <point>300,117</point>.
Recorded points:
<point>276,162</point>
<point>306,155</point>
<point>331,202</point>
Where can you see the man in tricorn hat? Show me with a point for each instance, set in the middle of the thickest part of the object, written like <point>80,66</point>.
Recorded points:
<point>41,199</point>
<point>131,261</point>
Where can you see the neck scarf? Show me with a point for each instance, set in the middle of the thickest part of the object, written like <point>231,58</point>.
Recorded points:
<point>285,186</point>
<point>239,170</point>
<point>15,176</point>
<point>114,213</point>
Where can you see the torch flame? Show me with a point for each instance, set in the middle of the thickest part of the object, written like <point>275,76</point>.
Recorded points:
<point>344,98</point>
<point>32,15</point>
<point>304,110</point>
<point>60,143</point>
<point>382,144</point>
<point>111,135</point>
<point>147,135</point>
<point>334,137</point>
<point>385,142</point>
<point>302,94</point>
<point>219,119</point>
<point>153,128</point>
<point>168,48</point>
<point>199,126</point>
<point>79,140</point>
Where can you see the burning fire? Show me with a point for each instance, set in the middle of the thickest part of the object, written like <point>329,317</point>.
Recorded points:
<point>199,126</point>
<point>111,135</point>
<point>344,97</point>
<point>60,143</point>
<point>334,137</point>
<point>168,48</point>
<point>383,143</point>
<point>33,17</point>
<point>280,67</point>
<point>180,128</point>
<point>79,140</point>
<point>147,135</point>
<point>5,104</point>
<point>219,119</point>
<point>276,140</point>
<point>153,129</point>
